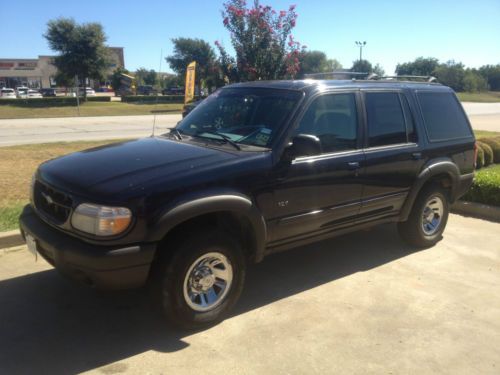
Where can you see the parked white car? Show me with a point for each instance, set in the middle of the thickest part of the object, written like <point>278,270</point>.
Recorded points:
<point>34,94</point>
<point>22,92</point>
<point>90,91</point>
<point>6,93</point>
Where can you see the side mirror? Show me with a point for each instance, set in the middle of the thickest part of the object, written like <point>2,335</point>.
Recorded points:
<point>303,145</point>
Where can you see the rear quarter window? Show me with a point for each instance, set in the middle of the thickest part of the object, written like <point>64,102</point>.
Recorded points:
<point>443,117</point>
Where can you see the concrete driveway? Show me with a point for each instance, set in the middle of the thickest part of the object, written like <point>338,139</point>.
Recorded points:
<point>361,303</point>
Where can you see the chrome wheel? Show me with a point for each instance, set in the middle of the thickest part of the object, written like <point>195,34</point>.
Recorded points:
<point>432,215</point>
<point>208,281</point>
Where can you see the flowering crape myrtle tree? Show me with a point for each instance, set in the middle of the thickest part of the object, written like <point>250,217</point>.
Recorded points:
<point>261,37</point>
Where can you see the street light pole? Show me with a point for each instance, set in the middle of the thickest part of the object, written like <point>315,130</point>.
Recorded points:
<point>361,45</point>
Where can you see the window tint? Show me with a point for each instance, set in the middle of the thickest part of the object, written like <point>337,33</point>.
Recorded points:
<point>386,123</point>
<point>410,123</point>
<point>443,117</point>
<point>333,119</point>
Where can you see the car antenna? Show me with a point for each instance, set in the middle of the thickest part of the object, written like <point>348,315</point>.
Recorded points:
<point>156,103</point>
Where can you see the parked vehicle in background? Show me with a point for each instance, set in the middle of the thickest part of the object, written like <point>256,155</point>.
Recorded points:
<point>254,169</point>
<point>89,91</point>
<point>48,92</point>
<point>33,94</point>
<point>6,93</point>
<point>146,90</point>
<point>22,92</point>
<point>173,91</point>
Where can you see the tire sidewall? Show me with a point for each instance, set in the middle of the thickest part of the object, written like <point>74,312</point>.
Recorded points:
<point>187,253</point>
<point>419,209</point>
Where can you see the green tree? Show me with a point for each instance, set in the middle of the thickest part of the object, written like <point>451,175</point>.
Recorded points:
<point>116,78</point>
<point>492,74</point>
<point>333,64</point>
<point>378,70</point>
<point>362,66</point>
<point>187,50</point>
<point>146,77</point>
<point>261,37</point>
<point>421,66</point>
<point>81,49</point>
<point>451,74</point>
<point>474,82</point>
<point>312,62</point>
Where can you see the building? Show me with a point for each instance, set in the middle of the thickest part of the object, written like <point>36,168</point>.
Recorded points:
<point>40,72</point>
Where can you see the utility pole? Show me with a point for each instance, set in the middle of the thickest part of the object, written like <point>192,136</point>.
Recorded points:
<point>360,45</point>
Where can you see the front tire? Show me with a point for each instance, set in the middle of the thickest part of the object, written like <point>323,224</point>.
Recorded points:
<point>203,279</point>
<point>427,219</point>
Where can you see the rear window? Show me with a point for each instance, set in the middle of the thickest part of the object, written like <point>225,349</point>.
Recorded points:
<point>443,117</point>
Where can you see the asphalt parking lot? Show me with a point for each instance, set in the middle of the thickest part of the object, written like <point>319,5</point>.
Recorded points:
<point>361,303</point>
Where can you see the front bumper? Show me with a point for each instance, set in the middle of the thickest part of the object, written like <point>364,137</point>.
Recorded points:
<point>105,267</point>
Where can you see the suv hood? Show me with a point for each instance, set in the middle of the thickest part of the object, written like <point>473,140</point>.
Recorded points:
<point>110,169</point>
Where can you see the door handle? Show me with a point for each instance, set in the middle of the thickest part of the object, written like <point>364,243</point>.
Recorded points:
<point>416,155</point>
<point>353,165</point>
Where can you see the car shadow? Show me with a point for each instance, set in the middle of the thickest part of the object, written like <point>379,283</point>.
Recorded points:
<point>50,325</point>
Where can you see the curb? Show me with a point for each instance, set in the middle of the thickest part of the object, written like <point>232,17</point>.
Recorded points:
<point>10,239</point>
<point>477,210</point>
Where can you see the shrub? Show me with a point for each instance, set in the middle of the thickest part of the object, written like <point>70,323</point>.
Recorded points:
<point>486,187</point>
<point>153,99</point>
<point>51,101</point>
<point>99,98</point>
<point>480,156</point>
<point>40,102</point>
<point>488,153</point>
<point>494,144</point>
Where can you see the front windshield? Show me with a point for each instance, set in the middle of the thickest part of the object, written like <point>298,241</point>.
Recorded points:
<point>250,116</point>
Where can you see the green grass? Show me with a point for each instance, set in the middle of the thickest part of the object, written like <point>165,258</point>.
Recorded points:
<point>479,97</point>
<point>9,215</point>
<point>17,164</point>
<point>486,134</point>
<point>90,109</point>
<point>486,186</point>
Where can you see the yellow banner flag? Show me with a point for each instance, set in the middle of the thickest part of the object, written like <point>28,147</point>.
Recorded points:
<point>190,78</point>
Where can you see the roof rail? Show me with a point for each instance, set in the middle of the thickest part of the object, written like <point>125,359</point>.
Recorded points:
<point>335,73</point>
<point>404,77</point>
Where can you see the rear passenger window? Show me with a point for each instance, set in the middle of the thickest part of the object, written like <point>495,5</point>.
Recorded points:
<point>443,117</point>
<point>386,122</point>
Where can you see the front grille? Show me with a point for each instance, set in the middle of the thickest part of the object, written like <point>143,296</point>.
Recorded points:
<point>52,203</point>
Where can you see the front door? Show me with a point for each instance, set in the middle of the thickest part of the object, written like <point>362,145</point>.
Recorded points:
<point>315,194</point>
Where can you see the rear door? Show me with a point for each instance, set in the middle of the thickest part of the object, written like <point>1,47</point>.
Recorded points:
<point>393,155</point>
<point>317,193</point>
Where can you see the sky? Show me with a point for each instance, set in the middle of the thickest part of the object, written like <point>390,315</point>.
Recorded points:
<point>394,31</point>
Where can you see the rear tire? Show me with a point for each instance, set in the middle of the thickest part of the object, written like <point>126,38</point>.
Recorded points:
<point>203,279</point>
<point>427,219</point>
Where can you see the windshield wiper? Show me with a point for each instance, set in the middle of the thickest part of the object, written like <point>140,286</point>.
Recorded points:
<point>177,133</point>
<point>223,137</point>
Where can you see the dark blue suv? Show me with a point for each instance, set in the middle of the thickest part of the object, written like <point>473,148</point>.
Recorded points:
<point>255,168</point>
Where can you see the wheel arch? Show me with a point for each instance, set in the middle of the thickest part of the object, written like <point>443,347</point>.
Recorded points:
<point>442,171</point>
<point>233,209</point>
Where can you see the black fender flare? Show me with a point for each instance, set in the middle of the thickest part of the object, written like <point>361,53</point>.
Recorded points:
<point>207,203</point>
<point>432,168</point>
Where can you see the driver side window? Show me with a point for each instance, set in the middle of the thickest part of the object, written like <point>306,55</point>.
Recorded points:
<point>333,119</point>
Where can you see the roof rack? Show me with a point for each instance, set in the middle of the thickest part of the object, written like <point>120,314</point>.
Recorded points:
<point>429,79</point>
<point>335,73</point>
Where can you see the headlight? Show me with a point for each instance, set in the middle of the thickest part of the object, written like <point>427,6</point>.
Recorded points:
<point>101,220</point>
